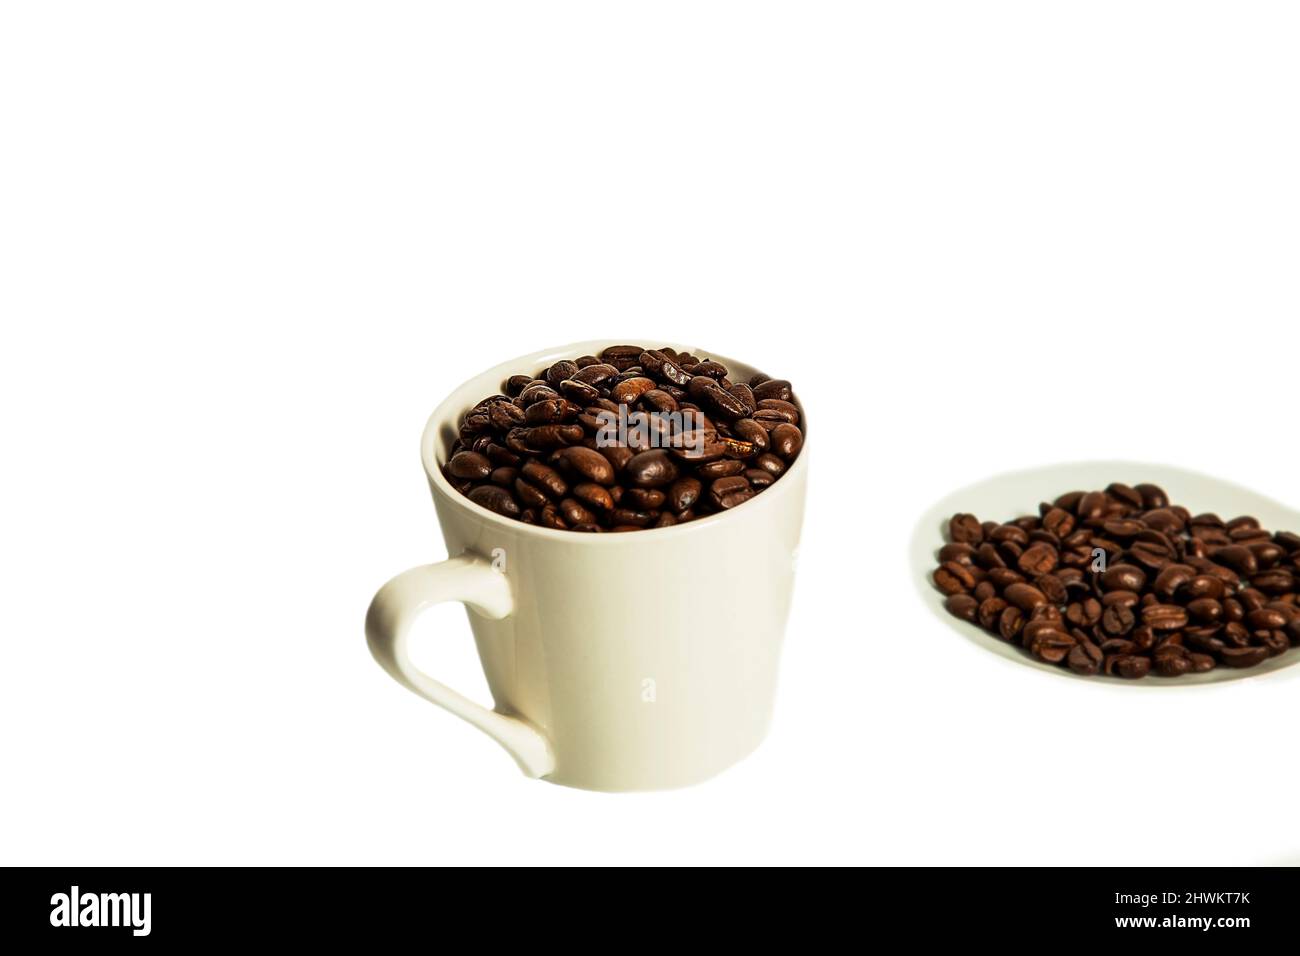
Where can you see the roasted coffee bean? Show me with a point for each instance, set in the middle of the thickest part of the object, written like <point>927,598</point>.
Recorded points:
<point>990,611</point>
<point>1038,559</point>
<point>1177,593</point>
<point>1171,578</point>
<point>1243,656</point>
<point>1059,522</point>
<point>729,492</point>
<point>663,368</point>
<point>965,529</point>
<point>773,388</point>
<point>951,578</point>
<point>495,498</point>
<point>590,465</point>
<point>1263,619</point>
<point>1025,596</point>
<point>1118,619</point>
<point>652,468</point>
<point>1171,665</point>
<point>684,493</point>
<point>469,465</point>
<point>1132,666</point>
<point>1164,617</point>
<point>546,478</point>
<point>1085,658</point>
<point>622,356</point>
<point>1051,645</point>
<point>787,441</point>
<point>1202,586</point>
<point>576,514</point>
<point>1124,577</point>
<point>1205,610</point>
<point>1053,589</point>
<point>745,395</point>
<point>530,494</point>
<point>593,496</point>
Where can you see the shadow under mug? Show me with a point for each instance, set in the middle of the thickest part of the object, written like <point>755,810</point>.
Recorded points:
<point>631,661</point>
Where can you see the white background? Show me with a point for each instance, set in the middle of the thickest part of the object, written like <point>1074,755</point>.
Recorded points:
<point>246,247</point>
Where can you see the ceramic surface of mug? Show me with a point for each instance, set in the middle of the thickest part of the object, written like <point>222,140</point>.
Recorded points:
<point>617,661</point>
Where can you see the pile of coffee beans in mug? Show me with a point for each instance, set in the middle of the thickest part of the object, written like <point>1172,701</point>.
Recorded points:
<point>631,439</point>
<point>1121,582</point>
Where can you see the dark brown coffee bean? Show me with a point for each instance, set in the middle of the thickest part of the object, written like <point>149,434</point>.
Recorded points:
<point>1171,578</point>
<point>1038,559</point>
<point>1132,667</point>
<point>1122,529</point>
<point>644,499</point>
<point>495,498</point>
<point>1025,596</point>
<point>745,395</point>
<point>1205,610</point>
<point>1153,496</point>
<point>1052,587</point>
<point>1277,581</point>
<point>966,529</point>
<point>622,356</point>
<point>628,391</point>
<point>593,496</point>
<point>630,516</point>
<point>1203,586</point>
<point>773,388</point>
<point>530,494</point>
<point>1059,522</point>
<point>787,441</point>
<point>1118,619</point>
<point>1170,665</point>
<point>469,465</point>
<point>1237,557</point>
<point>1051,645</point>
<point>1085,658</point>
<point>1262,619</point>
<point>575,513</point>
<point>660,366</point>
<point>1092,506</point>
<point>651,469</point>
<point>729,492</point>
<point>950,578</point>
<point>588,464</point>
<point>656,399</point>
<point>990,612</point>
<point>750,431</point>
<point>545,478</point>
<point>1243,656</point>
<point>1124,577</point>
<point>1122,492</point>
<point>684,493</point>
<point>1164,617</point>
<point>1011,623</point>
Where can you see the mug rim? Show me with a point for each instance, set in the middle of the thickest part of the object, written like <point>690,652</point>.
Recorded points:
<point>443,411</point>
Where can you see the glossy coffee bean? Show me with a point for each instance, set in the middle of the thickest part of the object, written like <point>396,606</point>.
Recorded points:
<point>469,465</point>
<point>495,498</point>
<point>586,463</point>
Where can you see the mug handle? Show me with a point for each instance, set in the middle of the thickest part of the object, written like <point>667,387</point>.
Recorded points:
<point>472,581</point>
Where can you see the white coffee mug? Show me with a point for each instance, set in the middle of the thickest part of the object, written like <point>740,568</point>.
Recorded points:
<point>631,661</point>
